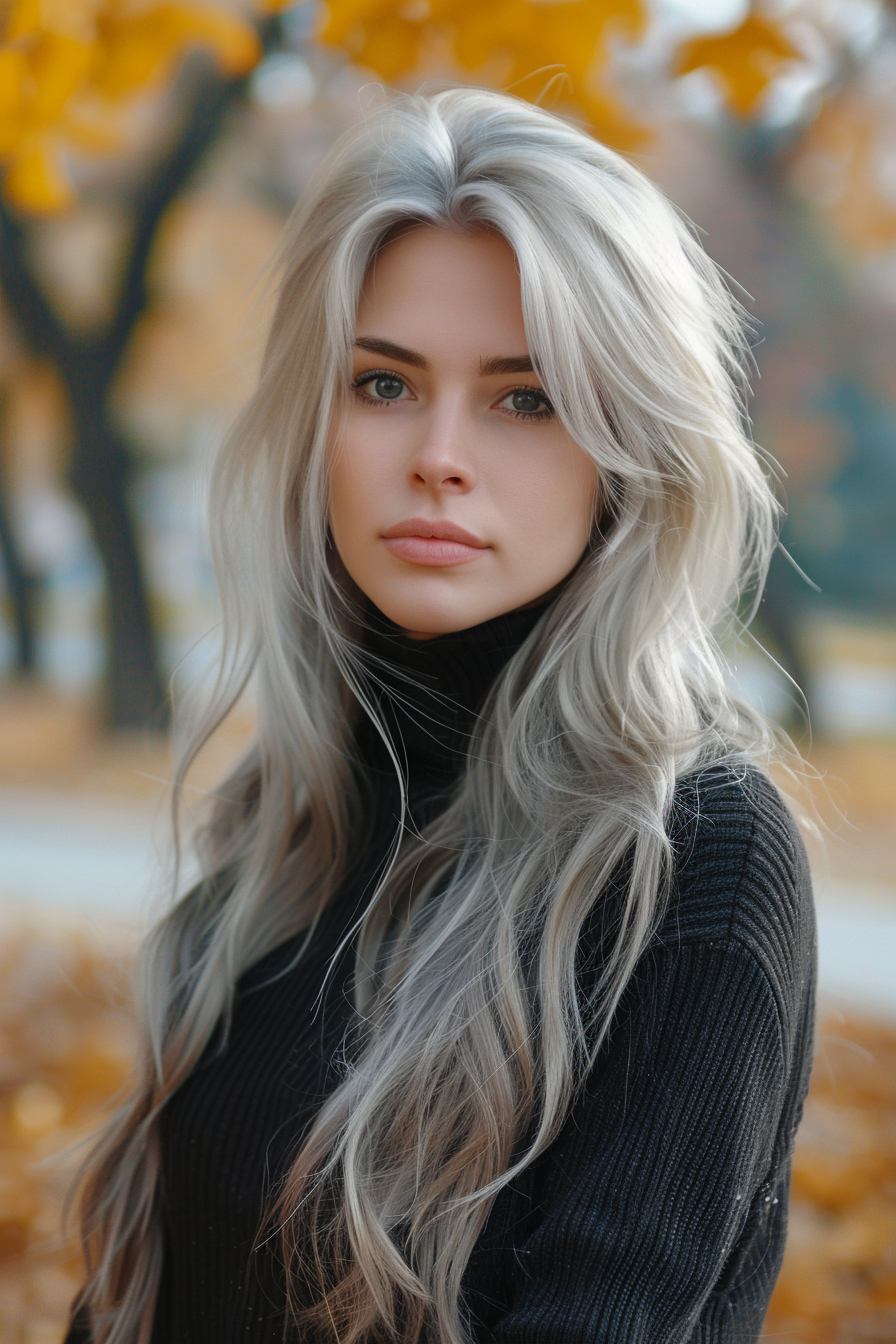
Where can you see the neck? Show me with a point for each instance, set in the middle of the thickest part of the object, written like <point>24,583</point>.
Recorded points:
<point>429,693</point>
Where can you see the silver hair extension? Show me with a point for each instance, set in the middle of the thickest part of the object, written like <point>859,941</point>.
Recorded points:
<point>476,1035</point>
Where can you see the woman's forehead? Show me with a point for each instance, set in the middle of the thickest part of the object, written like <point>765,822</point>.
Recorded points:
<point>436,287</point>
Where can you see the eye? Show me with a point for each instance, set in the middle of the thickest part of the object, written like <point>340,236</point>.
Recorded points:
<point>527,403</point>
<point>379,385</point>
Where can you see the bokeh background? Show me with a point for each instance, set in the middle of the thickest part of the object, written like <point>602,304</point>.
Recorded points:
<point>150,152</point>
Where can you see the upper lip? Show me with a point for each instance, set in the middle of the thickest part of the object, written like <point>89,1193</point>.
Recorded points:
<point>439,528</point>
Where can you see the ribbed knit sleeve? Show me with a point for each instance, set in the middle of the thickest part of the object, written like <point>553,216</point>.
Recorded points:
<point>643,1201</point>
<point>659,1214</point>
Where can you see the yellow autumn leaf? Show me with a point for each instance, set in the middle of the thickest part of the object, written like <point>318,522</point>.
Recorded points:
<point>486,31</point>
<point>390,51</point>
<point>503,41</point>
<point>34,180</point>
<point>13,93</point>
<point>140,50</point>
<point>70,68</point>
<point>565,30</point>
<point>575,35</point>
<point>25,20</point>
<point>68,18</point>
<point>745,60</point>
<point>58,67</point>
<point>134,57</point>
<point>339,19</point>
<point>233,42</point>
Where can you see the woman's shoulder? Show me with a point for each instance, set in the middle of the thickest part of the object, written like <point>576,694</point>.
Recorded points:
<point>741,872</point>
<point>732,831</point>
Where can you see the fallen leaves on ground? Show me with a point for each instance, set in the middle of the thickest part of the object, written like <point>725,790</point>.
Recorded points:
<point>67,1043</point>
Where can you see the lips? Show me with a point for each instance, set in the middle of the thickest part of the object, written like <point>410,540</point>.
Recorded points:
<point>439,528</point>
<point>424,541</point>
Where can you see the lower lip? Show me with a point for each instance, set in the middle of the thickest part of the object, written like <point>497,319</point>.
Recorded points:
<point>432,550</point>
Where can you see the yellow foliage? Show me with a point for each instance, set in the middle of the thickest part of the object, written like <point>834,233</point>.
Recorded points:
<point>58,65</point>
<point>68,1044</point>
<point>13,73</point>
<point>139,50</point>
<point>70,68</point>
<point>67,1049</point>
<point>35,180</point>
<point>745,60</point>
<point>501,41</point>
<point>24,18</point>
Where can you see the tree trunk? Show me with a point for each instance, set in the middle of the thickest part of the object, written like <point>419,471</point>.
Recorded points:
<point>99,473</point>
<point>134,694</point>
<point>20,586</point>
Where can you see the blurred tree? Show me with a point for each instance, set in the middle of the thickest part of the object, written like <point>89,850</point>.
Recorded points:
<point>20,584</point>
<point>71,70</point>
<point>835,153</point>
<point>68,74</point>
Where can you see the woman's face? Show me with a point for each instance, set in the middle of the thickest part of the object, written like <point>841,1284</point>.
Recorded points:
<point>456,493</point>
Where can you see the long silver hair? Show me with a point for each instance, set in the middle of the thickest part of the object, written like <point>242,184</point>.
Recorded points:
<point>477,1035</point>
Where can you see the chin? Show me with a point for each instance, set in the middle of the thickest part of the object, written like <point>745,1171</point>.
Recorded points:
<point>432,618</point>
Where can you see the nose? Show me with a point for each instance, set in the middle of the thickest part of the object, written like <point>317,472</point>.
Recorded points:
<point>442,462</point>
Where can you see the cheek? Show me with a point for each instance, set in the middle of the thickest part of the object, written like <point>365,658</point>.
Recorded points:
<point>345,512</point>
<point>364,460</point>
<point>351,490</point>
<point>552,502</point>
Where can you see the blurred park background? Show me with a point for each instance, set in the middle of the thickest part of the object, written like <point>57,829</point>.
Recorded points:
<point>150,152</point>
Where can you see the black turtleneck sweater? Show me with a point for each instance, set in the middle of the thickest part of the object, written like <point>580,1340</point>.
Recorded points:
<point>658,1215</point>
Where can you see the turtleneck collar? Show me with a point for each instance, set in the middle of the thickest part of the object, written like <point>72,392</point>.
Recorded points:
<point>431,692</point>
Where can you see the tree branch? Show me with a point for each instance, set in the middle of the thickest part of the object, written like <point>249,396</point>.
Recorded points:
<point>212,96</point>
<point>34,314</point>
<point>199,128</point>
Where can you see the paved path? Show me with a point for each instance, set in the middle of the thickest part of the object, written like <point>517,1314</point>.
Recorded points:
<point>65,855</point>
<point>62,852</point>
<point>857,944</point>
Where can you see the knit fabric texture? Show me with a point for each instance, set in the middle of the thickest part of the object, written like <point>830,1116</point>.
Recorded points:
<point>658,1215</point>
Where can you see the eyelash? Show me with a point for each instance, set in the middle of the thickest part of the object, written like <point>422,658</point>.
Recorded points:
<point>359,383</point>
<point>370,375</point>
<point>546,412</point>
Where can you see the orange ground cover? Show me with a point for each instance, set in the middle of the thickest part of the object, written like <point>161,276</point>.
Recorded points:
<point>838,1283</point>
<point>65,1049</point>
<point>66,1045</point>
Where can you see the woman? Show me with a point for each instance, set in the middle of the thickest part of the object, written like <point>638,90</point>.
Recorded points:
<point>491,1017</point>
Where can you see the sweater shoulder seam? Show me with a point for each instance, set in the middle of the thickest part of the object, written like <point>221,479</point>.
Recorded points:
<point>733,943</point>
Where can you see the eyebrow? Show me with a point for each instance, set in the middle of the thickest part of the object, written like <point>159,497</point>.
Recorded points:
<point>511,364</point>
<point>391,351</point>
<point>487,367</point>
